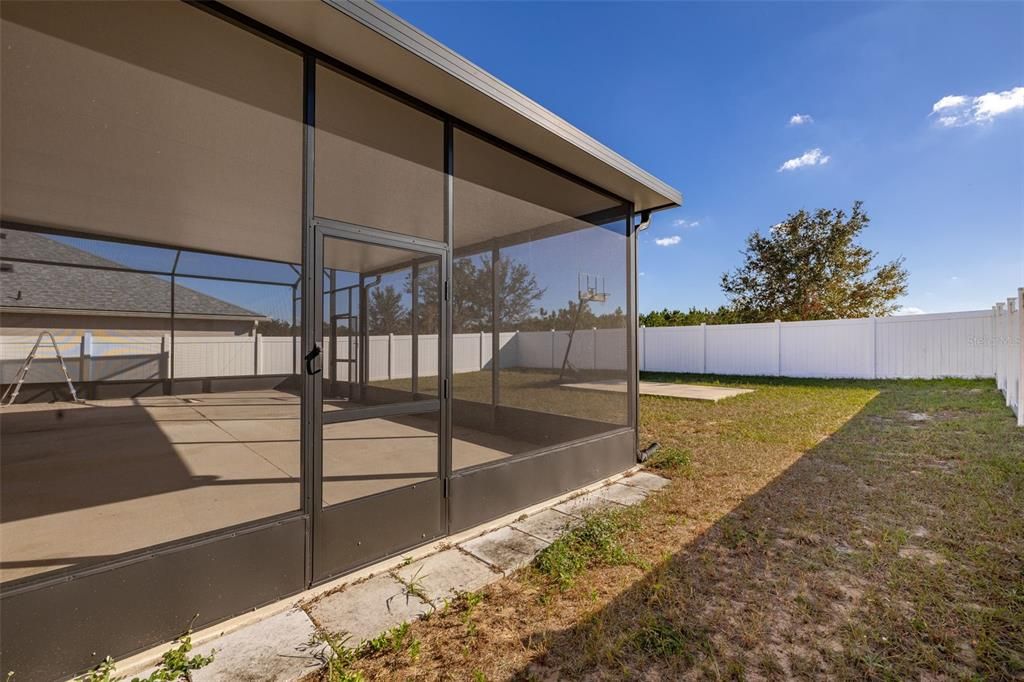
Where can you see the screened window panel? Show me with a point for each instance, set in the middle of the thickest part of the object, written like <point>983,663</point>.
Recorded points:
<point>216,265</point>
<point>235,329</point>
<point>542,267</point>
<point>500,195</point>
<point>159,451</point>
<point>379,162</point>
<point>63,249</point>
<point>75,284</point>
<point>113,125</point>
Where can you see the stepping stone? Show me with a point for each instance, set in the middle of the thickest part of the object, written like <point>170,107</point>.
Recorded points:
<point>445,574</point>
<point>585,504</point>
<point>645,480</point>
<point>507,549</point>
<point>623,494</point>
<point>366,609</point>
<point>548,525</point>
<point>276,649</point>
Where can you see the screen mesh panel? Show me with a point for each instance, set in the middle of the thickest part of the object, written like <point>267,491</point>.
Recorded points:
<point>540,305</point>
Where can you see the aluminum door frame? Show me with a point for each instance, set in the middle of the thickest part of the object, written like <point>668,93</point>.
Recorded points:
<point>375,515</point>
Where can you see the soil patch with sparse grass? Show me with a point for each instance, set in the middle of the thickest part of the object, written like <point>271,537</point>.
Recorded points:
<point>812,529</point>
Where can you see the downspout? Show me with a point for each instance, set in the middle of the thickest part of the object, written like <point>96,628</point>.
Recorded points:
<point>645,222</point>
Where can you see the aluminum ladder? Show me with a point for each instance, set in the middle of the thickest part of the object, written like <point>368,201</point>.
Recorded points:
<point>23,372</point>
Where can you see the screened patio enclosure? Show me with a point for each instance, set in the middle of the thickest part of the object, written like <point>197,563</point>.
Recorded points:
<point>286,289</point>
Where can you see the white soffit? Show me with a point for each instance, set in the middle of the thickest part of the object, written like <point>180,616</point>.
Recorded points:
<point>375,41</point>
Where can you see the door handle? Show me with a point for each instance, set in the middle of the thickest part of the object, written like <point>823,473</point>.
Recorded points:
<point>310,357</point>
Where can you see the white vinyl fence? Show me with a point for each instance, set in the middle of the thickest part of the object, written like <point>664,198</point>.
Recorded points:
<point>1008,334</point>
<point>904,347</point>
<point>983,343</point>
<point>96,357</point>
<point>973,344</point>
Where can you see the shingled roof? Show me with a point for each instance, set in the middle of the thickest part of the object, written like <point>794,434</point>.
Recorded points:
<point>83,289</point>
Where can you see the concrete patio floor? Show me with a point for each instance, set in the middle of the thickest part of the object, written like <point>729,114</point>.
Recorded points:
<point>279,646</point>
<point>86,482</point>
<point>666,390</point>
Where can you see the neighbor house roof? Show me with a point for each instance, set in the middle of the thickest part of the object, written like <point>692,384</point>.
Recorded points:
<point>75,290</point>
<point>381,44</point>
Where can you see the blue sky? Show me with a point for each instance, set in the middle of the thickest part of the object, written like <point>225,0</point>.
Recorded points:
<point>702,95</point>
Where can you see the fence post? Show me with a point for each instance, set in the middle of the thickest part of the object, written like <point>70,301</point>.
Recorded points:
<point>595,348</point>
<point>1011,381</point>
<point>552,349</point>
<point>778,348</point>
<point>995,344</point>
<point>703,347</point>
<point>643,349</point>
<point>1020,356</point>
<point>257,356</point>
<point>85,358</point>
<point>391,352</point>
<point>873,325</point>
<point>1002,341</point>
<point>515,348</point>
<point>165,364</point>
<point>481,352</point>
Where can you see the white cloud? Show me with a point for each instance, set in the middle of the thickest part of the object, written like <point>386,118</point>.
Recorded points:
<point>668,241</point>
<point>682,222</point>
<point>949,102</point>
<point>814,157</point>
<point>800,119</point>
<point>961,110</point>
<point>910,310</point>
<point>642,274</point>
<point>992,104</point>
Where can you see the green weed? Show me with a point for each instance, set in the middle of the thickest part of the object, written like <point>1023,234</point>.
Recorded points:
<point>597,541</point>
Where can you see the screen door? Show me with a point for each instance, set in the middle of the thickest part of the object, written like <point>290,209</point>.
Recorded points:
<point>379,467</point>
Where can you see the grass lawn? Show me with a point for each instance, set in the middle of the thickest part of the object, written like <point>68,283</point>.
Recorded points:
<point>841,529</point>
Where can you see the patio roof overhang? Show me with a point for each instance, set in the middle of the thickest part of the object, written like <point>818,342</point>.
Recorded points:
<point>204,193</point>
<point>375,41</point>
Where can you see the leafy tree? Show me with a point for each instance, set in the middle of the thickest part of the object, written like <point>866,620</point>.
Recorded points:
<point>518,293</point>
<point>693,316</point>
<point>385,312</point>
<point>809,267</point>
<point>276,327</point>
<point>562,319</point>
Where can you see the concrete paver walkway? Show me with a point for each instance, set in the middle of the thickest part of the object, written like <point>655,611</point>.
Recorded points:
<point>281,647</point>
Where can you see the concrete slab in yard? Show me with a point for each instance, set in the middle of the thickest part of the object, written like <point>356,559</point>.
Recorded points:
<point>667,390</point>
<point>645,480</point>
<point>623,494</point>
<point>277,649</point>
<point>584,504</point>
<point>547,525</point>
<point>445,574</point>
<point>507,549</point>
<point>366,609</point>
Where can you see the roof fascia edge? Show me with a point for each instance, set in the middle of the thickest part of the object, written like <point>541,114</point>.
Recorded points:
<point>392,27</point>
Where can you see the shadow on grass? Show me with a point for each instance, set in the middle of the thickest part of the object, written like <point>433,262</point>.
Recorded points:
<point>891,549</point>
